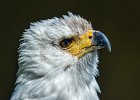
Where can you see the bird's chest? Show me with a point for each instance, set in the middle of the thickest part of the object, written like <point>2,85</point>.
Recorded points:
<point>69,89</point>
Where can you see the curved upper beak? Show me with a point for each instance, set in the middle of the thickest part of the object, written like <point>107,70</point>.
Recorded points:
<point>100,40</point>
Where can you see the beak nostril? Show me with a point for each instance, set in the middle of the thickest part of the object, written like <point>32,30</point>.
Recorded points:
<point>90,37</point>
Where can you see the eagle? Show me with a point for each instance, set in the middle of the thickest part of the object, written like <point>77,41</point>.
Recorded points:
<point>58,60</point>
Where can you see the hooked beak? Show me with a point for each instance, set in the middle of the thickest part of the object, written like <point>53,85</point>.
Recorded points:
<point>88,42</point>
<point>100,40</point>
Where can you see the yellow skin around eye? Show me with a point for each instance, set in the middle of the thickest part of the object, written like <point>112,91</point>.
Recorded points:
<point>80,43</point>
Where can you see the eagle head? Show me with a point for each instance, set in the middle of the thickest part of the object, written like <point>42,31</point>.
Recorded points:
<point>58,60</point>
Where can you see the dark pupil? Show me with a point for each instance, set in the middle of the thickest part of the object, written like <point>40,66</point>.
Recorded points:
<point>65,42</point>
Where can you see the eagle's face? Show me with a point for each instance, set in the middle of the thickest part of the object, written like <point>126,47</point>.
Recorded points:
<point>60,49</point>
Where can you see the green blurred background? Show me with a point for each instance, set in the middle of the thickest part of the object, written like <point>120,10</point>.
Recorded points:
<point>118,19</point>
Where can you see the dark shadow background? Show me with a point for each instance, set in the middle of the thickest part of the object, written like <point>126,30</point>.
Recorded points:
<point>118,19</point>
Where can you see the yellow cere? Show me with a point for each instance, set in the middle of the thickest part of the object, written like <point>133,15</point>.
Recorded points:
<point>80,43</point>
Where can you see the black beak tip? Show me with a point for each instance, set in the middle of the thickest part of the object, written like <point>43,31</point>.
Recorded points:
<point>101,40</point>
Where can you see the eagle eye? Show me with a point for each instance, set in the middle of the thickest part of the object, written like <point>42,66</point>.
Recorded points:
<point>65,43</point>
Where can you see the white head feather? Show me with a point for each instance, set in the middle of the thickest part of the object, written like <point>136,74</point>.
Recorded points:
<point>42,63</point>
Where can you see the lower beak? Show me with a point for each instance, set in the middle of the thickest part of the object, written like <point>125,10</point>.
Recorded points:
<point>100,40</point>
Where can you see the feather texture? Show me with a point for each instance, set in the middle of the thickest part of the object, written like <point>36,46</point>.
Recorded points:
<point>41,74</point>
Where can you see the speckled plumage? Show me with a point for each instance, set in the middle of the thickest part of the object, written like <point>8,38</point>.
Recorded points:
<point>41,74</point>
